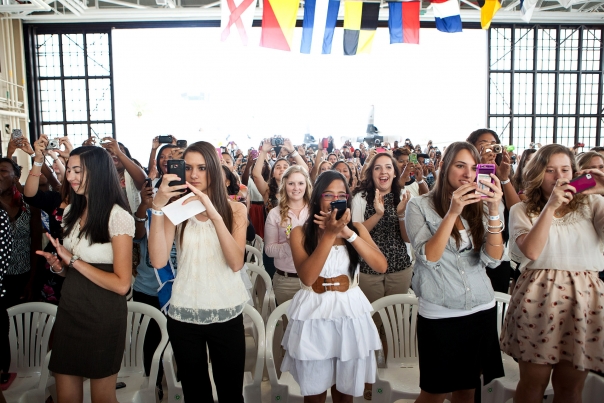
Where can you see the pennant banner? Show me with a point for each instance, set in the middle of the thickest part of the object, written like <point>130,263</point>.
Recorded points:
<point>446,15</point>
<point>360,24</point>
<point>320,17</point>
<point>526,9</point>
<point>278,23</point>
<point>403,21</point>
<point>239,13</point>
<point>488,9</point>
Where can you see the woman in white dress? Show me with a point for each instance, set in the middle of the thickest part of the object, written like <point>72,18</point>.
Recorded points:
<point>331,338</point>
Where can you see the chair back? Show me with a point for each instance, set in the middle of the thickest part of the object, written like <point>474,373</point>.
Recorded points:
<point>271,325</point>
<point>503,301</point>
<point>30,327</point>
<point>399,318</point>
<point>260,342</point>
<point>258,243</point>
<point>261,288</point>
<point>255,253</point>
<point>139,316</point>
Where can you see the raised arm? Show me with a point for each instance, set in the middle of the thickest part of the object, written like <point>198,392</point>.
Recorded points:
<point>137,174</point>
<point>257,171</point>
<point>318,159</point>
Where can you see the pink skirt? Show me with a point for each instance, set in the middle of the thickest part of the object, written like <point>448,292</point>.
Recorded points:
<point>556,315</point>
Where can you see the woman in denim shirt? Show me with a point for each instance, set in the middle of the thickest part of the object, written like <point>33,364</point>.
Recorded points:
<point>454,240</point>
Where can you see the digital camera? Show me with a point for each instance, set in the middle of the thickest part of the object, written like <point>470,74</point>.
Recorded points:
<point>277,141</point>
<point>53,144</point>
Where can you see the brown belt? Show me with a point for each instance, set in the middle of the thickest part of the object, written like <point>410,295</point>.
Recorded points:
<point>286,274</point>
<point>340,283</point>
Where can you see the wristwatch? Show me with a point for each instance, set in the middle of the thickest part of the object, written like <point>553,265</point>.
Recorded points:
<point>73,260</point>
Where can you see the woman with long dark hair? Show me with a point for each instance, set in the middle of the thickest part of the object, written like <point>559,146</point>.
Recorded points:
<point>96,260</point>
<point>554,322</point>
<point>454,240</point>
<point>6,244</point>
<point>330,341</point>
<point>208,295</point>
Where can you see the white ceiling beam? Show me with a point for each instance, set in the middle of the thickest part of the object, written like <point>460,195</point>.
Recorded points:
<point>470,4</point>
<point>125,4</point>
<point>214,4</point>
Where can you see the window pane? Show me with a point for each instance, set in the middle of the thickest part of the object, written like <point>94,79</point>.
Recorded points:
<point>522,132</point>
<point>102,130</point>
<point>501,126</point>
<point>569,49</point>
<point>567,94</point>
<point>49,64</point>
<point>53,131</point>
<point>75,100</point>
<point>546,90</point>
<point>73,55</point>
<point>500,94</point>
<point>566,131</point>
<point>544,130</point>
<point>589,93</point>
<point>97,49</point>
<point>501,46</point>
<point>100,99</point>
<point>523,49</point>
<point>546,57</point>
<point>51,103</point>
<point>77,133</point>
<point>592,39</point>
<point>523,93</point>
<point>587,132</point>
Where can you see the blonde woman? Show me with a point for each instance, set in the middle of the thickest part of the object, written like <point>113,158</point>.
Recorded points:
<point>553,325</point>
<point>292,211</point>
<point>591,160</point>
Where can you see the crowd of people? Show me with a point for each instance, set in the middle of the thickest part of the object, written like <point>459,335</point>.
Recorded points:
<point>342,228</point>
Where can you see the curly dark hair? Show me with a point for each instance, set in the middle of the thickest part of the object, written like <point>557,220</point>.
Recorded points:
<point>367,187</point>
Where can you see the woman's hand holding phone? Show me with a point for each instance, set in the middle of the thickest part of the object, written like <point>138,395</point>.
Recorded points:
<point>598,176</point>
<point>464,195</point>
<point>492,192</point>
<point>327,221</point>
<point>561,195</point>
<point>167,192</point>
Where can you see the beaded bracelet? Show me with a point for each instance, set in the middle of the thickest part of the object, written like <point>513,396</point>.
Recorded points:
<point>37,175</point>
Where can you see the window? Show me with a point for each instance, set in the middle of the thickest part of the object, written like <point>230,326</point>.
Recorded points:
<point>545,84</point>
<point>74,84</point>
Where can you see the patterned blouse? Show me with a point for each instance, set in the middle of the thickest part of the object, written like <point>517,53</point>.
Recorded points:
<point>6,244</point>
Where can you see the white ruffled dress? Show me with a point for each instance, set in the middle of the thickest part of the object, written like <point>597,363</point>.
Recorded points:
<point>331,338</point>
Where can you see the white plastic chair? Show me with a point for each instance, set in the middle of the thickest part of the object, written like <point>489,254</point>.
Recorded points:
<point>593,390</point>
<point>139,388</point>
<point>258,243</point>
<point>251,381</point>
<point>30,327</point>
<point>256,253</point>
<point>262,287</point>
<point>400,378</point>
<point>501,390</point>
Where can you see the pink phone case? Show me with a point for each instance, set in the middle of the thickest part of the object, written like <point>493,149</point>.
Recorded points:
<point>583,182</point>
<point>484,169</point>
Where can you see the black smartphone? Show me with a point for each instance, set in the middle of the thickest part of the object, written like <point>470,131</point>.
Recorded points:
<point>181,143</point>
<point>165,139</point>
<point>120,385</point>
<point>148,182</point>
<point>177,167</point>
<point>339,205</point>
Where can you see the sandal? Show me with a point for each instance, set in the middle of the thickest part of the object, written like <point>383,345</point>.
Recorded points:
<point>367,394</point>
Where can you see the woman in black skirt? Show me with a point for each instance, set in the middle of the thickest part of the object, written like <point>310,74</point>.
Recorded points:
<point>454,239</point>
<point>96,259</point>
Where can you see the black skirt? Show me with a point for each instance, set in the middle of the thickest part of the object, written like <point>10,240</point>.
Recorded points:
<point>454,352</point>
<point>90,329</point>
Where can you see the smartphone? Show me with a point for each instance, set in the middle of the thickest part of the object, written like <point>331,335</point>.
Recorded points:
<point>413,158</point>
<point>339,205</point>
<point>325,143</point>
<point>148,182</point>
<point>427,161</point>
<point>120,385</point>
<point>17,133</point>
<point>380,150</point>
<point>254,154</point>
<point>583,182</point>
<point>177,167</point>
<point>165,139</point>
<point>483,172</point>
<point>181,143</point>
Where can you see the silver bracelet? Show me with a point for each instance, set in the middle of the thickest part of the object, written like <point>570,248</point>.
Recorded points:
<point>157,212</point>
<point>57,272</point>
<point>138,219</point>
<point>505,182</point>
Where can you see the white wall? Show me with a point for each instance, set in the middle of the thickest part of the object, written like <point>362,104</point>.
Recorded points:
<point>436,90</point>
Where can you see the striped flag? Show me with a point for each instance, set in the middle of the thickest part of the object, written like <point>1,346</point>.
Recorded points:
<point>526,9</point>
<point>446,15</point>
<point>360,24</point>
<point>403,21</point>
<point>237,13</point>
<point>278,23</point>
<point>488,9</point>
<point>320,17</point>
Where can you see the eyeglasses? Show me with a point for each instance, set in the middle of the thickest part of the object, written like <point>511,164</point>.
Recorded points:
<point>332,197</point>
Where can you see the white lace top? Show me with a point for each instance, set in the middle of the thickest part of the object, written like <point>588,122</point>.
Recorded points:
<point>206,290</point>
<point>575,242</point>
<point>120,223</point>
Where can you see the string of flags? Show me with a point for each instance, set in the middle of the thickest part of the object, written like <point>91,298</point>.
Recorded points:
<point>279,19</point>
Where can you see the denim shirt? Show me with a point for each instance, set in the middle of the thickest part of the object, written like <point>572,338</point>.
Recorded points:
<point>458,280</point>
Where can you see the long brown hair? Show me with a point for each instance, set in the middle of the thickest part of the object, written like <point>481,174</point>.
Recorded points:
<point>284,199</point>
<point>534,174</point>
<point>442,191</point>
<point>216,190</point>
<point>367,187</point>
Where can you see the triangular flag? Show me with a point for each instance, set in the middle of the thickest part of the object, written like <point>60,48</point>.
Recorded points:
<point>403,21</point>
<point>278,23</point>
<point>488,9</point>
<point>320,17</point>
<point>446,15</point>
<point>526,9</point>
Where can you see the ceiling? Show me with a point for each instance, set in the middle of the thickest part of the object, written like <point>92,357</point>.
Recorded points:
<point>55,11</point>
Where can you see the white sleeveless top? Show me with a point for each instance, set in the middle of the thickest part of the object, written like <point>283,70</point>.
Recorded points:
<point>205,290</point>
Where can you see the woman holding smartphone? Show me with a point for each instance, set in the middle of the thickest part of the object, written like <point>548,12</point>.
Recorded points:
<point>340,339</point>
<point>454,241</point>
<point>96,260</point>
<point>208,295</point>
<point>554,322</point>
